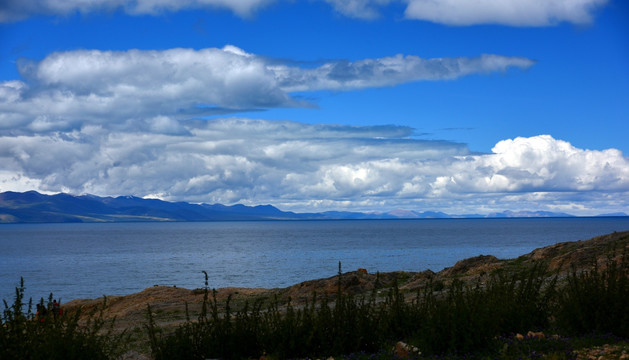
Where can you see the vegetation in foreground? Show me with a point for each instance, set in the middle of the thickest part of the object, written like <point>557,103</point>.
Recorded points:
<point>480,320</point>
<point>49,334</point>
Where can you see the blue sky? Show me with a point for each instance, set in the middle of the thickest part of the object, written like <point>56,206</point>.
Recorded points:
<point>371,105</point>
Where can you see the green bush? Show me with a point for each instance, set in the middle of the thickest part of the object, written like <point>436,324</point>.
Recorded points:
<point>465,319</point>
<point>28,335</point>
<point>596,301</point>
<point>320,327</point>
<point>468,318</point>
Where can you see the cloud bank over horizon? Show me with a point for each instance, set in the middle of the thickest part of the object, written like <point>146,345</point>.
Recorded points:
<point>304,168</point>
<point>154,90</point>
<point>448,12</point>
<point>153,124</point>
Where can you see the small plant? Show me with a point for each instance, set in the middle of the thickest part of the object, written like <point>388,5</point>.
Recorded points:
<point>460,320</point>
<point>50,335</point>
<point>468,317</point>
<point>596,301</point>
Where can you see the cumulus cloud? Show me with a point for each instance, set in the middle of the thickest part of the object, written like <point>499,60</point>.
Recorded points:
<point>512,12</point>
<point>474,12</point>
<point>139,88</point>
<point>539,164</point>
<point>317,167</point>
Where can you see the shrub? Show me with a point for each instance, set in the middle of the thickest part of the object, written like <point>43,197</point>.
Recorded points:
<point>596,301</point>
<point>460,320</point>
<point>469,317</point>
<point>320,327</point>
<point>28,335</point>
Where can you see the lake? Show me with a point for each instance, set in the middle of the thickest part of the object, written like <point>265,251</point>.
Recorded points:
<point>95,259</point>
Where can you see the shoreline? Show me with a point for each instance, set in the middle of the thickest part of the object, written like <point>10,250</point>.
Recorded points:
<point>122,259</point>
<point>172,307</point>
<point>559,258</point>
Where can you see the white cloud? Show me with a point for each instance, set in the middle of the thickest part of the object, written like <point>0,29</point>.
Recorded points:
<point>450,12</point>
<point>474,12</point>
<point>362,9</point>
<point>318,167</point>
<point>536,164</point>
<point>137,89</point>
<point>390,71</point>
<point>13,10</point>
<point>511,12</point>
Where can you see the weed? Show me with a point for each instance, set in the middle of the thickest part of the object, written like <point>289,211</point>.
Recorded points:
<point>596,301</point>
<point>457,321</point>
<point>28,335</point>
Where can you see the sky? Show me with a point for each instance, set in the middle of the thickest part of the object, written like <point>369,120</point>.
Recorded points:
<point>460,106</point>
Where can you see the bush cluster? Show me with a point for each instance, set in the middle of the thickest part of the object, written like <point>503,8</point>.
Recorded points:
<point>459,319</point>
<point>25,334</point>
<point>441,320</point>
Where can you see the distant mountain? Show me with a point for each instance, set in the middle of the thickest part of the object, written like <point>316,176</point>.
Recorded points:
<point>613,214</point>
<point>33,207</point>
<point>354,215</point>
<point>411,214</point>
<point>520,214</point>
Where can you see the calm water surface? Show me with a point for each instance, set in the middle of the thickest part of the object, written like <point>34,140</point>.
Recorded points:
<point>91,260</point>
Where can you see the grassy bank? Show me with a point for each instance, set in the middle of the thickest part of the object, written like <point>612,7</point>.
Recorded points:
<point>478,320</point>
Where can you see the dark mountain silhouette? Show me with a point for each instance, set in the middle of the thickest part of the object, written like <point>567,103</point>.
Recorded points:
<point>32,206</point>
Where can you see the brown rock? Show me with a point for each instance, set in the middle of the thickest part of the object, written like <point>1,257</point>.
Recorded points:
<point>404,350</point>
<point>535,335</point>
<point>473,265</point>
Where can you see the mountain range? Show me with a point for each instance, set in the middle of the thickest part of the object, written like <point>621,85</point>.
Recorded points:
<point>34,207</point>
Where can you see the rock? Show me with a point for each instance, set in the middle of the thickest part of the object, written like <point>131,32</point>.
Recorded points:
<point>404,350</point>
<point>535,335</point>
<point>478,264</point>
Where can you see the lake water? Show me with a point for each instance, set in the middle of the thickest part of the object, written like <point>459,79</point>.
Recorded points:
<point>91,260</point>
